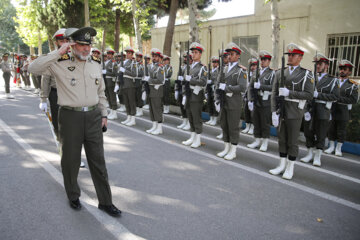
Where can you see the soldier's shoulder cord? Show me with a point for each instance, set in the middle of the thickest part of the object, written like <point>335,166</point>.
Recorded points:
<point>64,57</point>
<point>96,59</point>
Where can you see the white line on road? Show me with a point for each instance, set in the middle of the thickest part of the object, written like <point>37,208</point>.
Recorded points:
<point>335,174</point>
<point>252,170</point>
<point>110,223</point>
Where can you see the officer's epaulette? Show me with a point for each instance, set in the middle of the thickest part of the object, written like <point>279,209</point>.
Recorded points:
<point>353,81</point>
<point>64,57</point>
<point>96,59</point>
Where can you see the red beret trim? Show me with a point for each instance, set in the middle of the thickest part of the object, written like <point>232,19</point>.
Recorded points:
<point>59,35</point>
<point>346,65</point>
<point>296,51</point>
<point>96,51</point>
<point>266,56</point>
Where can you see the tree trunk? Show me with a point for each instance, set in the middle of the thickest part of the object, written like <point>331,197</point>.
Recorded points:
<point>117,30</point>
<point>194,28</point>
<point>32,50</point>
<point>103,41</point>
<point>86,13</point>
<point>174,5</point>
<point>136,25</point>
<point>275,33</point>
<point>39,43</point>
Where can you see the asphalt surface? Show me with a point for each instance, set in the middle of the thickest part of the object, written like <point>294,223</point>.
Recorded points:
<point>168,191</point>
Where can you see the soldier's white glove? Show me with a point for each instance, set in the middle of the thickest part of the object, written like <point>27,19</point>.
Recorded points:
<point>217,106</point>
<point>116,88</point>
<point>208,81</point>
<point>275,119</point>
<point>146,78</point>
<point>284,92</point>
<point>257,85</point>
<point>43,106</point>
<point>188,78</point>
<point>222,86</point>
<point>176,95</point>
<point>143,96</point>
<point>316,94</point>
<point>104,71</point>
<point>251,106</point>
<point>180,78</point>
<point>121,69</point>
<point>307,116</point>
<point>183,100</point>
<point>206,96</point>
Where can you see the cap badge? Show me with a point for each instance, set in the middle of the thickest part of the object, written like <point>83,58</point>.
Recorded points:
<point>87,36</point>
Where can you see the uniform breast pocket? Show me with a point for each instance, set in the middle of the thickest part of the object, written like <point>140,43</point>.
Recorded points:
<point>95,80</point>
<point>71,81</point>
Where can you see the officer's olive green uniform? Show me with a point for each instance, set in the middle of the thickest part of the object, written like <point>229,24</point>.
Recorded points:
<point>156,81</point>
<point>167,85</point>
<point>301,86</point>
<point>110,79</point>
<point>138,84</point>
<point>127,88</point>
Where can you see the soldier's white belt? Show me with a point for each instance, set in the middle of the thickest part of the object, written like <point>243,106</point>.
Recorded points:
<point>127,76</point>
<point>196,89</point>
<point>301,104</point>
<point>349,106</point>
<point>328,104</point>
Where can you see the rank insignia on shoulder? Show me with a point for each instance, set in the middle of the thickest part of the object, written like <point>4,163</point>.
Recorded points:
<point>312,80</point>
<point>71,68</point>
<point>96,59</point>
<point>64,57</point>
<point>245,76</point>
<point>205,73</point>
<point>162,71</point>
<point>97,81</point>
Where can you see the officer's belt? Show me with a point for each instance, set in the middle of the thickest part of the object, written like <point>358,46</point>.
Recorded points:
<point>127,76</point>
<point>347,104</point>
<point>321,101</point>
<point>81,109</point>
<point>292,100</point>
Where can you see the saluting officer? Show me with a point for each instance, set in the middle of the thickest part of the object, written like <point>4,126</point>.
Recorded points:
<point>341,110</point>
<point>82,113</point>
<point>260,104</point>
<point>194,100</point>
<point>6,67</point>
<point>111,70</point>
<point>326,92</point>
<point>210,91</point>
<point>127,87</point>
<point>298,88</point>
<point>156,81</point>
<point>234,85</point>
<point>138,83</point>
<point>167,85</point>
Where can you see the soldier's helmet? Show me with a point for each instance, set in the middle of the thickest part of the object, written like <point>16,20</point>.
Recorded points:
<point>233,47</point>
<point>197,46</point>
<point>265,54</point>
<point>292,48</point>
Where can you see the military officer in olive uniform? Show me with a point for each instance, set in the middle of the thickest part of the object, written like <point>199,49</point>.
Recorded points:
<point>156,80</point>
<point>260,105</point>
<point>167,85</point>
<point>111,71</point>
<point>325,94</point>
<point>249,126</point>
<point>138,83</point>
<point>82,113</point>
<point>233,85</point>
<point>298,88</point>
<point>6,67</point>
<point>180,91</point>
<point>127,86</point>
<point>341,110</point>
<point>194,95</point>
<point>210,91</point>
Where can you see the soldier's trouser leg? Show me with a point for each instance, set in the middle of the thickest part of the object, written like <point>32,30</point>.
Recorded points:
<point>71,125</point>
<point>26,79</point>
<point>156,109</point>
<point>230,124</point>
<point>166,90</point>
<point>6,77</point>
<point>211,106</point>
<point>129,100</point>
<point>182,108</point>
<point>94,149</point>
<point>189,115</point>
<point>288,138</point>
<point>261,120</point>
<point>224,125</point>
<point>110,86</point>
<point>196,109</point>
<point>54,108</point>
<point>138,93</point>
<point>39,80</point>
<point>321,127</point>
<point>309,134</point>
<point>340,130</point>
<point>247,113</point>
<point>332,131</point>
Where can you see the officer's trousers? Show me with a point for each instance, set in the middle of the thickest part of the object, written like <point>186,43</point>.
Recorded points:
<point>288,138</point>
<point>229,121</point>
<point>337,130</point>
<point>138,93</point>
<point>77,129</point>
<point>261,118</point>
<point>110,86</point>
<point>156,109</point>
<point>129,100</point>
<point>247,112</point>
<point>6,76</point>
<point>210,101</point>
<point>54,108</point>
<point>182,107</point>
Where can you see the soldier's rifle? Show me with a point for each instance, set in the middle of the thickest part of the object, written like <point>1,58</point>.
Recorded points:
<point>146,84</point>
<point>209,85</point>
<point>187,83</point>
<point>280,100</point>
<point>177,81</point>
<point>121,74</point>
<point>312,104</point>
<point>254,90</point>
<point>219,92</point>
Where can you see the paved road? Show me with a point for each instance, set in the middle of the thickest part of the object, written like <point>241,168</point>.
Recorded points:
<point>168,191</point>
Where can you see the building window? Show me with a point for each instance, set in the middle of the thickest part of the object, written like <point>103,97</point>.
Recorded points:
<point>344,46</point>
<point>249,45</point>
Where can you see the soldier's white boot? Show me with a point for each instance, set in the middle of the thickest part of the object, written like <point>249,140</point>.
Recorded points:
<point>112,115</point>
<point>225,151</point>
<point>247,127</point>
<point>152,128</point>
<point>279,169</point>
<point>187,125</point>
<point>190,140</point>
<point>331,148</point>
<point>137,114</point>
<point>141,113</point>
<point>255,144</point>
<point>251,129</point>
<point>122,108</point>
<point>264,145</point>
<point>158,130</point>
<point>317,156</point>
<point>126,120</point>
<point>182,124</point>
<point>220,136</point>
<point>289,171</point>
<point>131,122</point>
<point>232,153</point>
<point>197,141</point>
<point>309,156</point>
<point>166,109</point>
<point>82,164</point>
<point>210,120</point>
<point>338,149</point>
<point>9,96</point>
<point>213,122</point>
<point>146,107</point>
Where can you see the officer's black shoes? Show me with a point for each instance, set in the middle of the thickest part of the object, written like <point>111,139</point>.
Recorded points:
<point>110,209</point>
<point>75,204</point>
